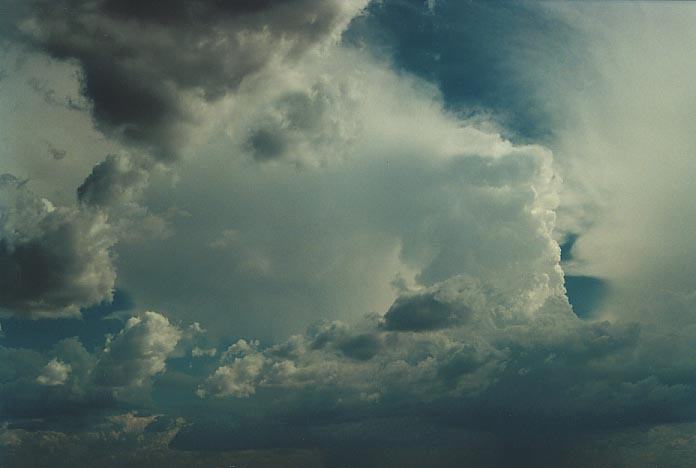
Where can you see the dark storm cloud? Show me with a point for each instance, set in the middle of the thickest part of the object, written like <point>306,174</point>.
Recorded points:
<point>339,336</point>
<point>361,347</point>
<point>53,261</point>
<point>423,312</point>
<point>141,61</point>
<point>148,72</point>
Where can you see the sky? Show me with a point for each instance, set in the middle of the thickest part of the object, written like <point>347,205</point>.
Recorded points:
<point>347,233</point>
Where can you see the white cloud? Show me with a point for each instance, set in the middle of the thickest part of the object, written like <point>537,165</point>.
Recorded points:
<point>620,102</point>
<point>375,181</point>
<point>238,379</point>
<point>501,353</point>
<point>203,352</point>
<point>137,352</point>
<point>54,373</point>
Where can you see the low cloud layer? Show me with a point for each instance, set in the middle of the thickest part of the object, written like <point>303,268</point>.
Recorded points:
<point>504,359</point>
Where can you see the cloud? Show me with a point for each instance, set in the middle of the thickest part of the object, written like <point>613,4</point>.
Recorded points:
<point>623,143</point>
<point>116,187</point>
<point>374,196</point>
<point>69,381</point>
<point>502,370</point>
<point>118,180</point>
<point>298,124</point>
<point>423,312</point>
<point>56,153</point>
<point>137,352</point>
<point>480,55</point>
<point>152,76</point>
<point>197,352</point>
<point>236,379</point>
<point>376,181</point>
<point>55,373</point>
<point>53,261</point>
<point>127,433</point>
<point>145,68</point>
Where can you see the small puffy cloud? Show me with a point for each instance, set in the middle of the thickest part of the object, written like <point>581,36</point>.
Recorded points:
<point>54,373</point>
<point>238,379</point>
<point>137,352</point>
<point>131,423</point>
<point>53,260</point>
<point>203,352</point>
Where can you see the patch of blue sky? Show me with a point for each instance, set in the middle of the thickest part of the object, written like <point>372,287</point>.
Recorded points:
<point>91,328</point>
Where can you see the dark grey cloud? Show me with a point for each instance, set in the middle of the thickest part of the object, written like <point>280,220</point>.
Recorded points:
<point>424,312</point>
<point>338,336</point>
<point>53,261</point>
<point>361,347</point>
<point>148,72</point>
<point>481,338</point>
<point>142,62</point>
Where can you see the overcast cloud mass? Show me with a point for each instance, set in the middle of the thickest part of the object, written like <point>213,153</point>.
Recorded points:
<point>329,233</point>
